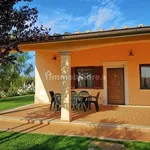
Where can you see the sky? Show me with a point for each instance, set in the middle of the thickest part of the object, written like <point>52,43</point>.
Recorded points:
<point>81,15</point>
<point>73,15</point>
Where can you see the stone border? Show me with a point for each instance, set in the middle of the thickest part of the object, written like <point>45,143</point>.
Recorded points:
<point>84,123</point>
<point>74,135</point>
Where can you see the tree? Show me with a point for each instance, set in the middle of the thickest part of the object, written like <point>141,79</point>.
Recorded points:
<point>16,26</point>
<point>29,70</point>
<point>11,75</point>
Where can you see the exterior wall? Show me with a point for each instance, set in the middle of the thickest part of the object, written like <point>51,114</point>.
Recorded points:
<point>43,83</point>
<point>95,57</point>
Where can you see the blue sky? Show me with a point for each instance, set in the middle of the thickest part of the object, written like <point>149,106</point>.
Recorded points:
<point>73,15</point>
<point>81,15</point>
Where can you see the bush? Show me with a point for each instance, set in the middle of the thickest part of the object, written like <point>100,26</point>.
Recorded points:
<point>3,94</point>
<point>30,92</point>
<point>21,92</point>
<point>26,90</point>
<point>12,93</point>
<point>29,89</point>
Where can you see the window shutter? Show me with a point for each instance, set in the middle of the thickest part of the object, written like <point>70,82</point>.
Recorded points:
<point>98,77</point>
<point>73,77</point>
<point>76,77</point>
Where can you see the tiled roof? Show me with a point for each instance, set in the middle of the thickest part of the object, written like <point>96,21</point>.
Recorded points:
<point>101,30</point>
<point>101,33</point>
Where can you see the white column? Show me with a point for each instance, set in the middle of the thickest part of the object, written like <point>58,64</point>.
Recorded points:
<point>65,86</point>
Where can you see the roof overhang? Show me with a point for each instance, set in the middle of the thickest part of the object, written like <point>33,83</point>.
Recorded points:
<point>77,42</point>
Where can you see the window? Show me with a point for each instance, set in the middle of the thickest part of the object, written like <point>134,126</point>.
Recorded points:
<point>84,77</point>
<point>145,76</point>
<point>87,77</point>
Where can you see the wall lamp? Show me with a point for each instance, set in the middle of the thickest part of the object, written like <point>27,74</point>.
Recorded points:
<point>54,58</point>
<point>131,53</point>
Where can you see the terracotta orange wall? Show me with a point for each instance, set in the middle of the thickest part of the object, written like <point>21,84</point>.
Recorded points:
<point>95,57</point>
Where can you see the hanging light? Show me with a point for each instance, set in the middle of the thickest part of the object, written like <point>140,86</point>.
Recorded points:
<point>131,53</point>
<point>54,58</point>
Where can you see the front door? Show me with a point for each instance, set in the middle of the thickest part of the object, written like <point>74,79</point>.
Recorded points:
<point>115,85</point>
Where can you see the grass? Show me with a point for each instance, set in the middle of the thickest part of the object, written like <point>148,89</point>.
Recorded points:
<point>27,141</point>
<point>13,102</point>
<point>137,145</point>
<point>19,141</point>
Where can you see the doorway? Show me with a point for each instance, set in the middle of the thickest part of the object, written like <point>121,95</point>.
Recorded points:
<point>115,86</point>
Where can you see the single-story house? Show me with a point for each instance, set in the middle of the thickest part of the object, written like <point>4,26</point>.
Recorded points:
<point>115,62</point>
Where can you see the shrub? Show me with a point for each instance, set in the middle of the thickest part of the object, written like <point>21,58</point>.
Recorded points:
<point>21,92</point>
<point>29,89</point>
<point>12,93</point>
<point>30,92</point>
<point>3,94</point>
<point>26,90</point>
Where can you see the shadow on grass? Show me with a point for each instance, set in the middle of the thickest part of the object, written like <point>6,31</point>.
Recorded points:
<point>16,135</point>
<point>43,142</point>
<point>63,142</point>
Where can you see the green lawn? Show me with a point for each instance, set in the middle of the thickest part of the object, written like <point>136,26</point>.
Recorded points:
<point>20,141</point>
<point>13,102</point>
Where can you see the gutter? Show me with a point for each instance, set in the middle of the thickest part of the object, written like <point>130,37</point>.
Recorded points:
<point>110,33</point>
<point>98,34</point>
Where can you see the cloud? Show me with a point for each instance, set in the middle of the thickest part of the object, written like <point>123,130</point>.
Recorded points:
<point>102,2</point>
<point>60,21</point>
<point>103,14</point>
